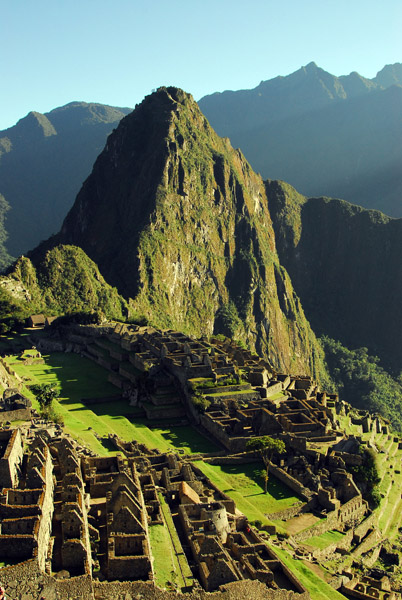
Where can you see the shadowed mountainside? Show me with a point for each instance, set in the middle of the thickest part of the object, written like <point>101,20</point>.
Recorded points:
<point>344,262</point>
<point>326,135</point>
<point>44,159</point>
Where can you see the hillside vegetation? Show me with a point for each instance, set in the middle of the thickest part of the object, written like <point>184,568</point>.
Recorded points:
<point>363,383</point>
<point>63,281</point>
<point>178,222</point>
<point>344,262</point>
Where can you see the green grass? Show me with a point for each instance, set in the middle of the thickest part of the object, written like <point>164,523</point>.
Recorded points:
<point>319,590</point>
<point>325,540</point>
<point>170,563</point>
<point>244,484</point>
<point>164,565</point>
<point>223,393</point>
<point>76,377</point>
<point>79,378</point>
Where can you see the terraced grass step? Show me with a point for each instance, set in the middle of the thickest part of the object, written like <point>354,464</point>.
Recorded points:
<point>244,395</point>
<point>396,522</point>
<point>169,411</point>
<point>388,511</point>
<point>168,399</point>
<point>225,388</point>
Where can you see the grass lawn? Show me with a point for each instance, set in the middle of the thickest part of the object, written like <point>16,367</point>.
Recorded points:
<point>170,563</point>
<point>161,548</point>
<point>80,378</point>
<point>324,540</point>
<point>319,590</point>
<point>244,483</point>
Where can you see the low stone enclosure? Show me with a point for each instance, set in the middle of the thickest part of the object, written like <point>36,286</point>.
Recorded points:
<point>99,510</point>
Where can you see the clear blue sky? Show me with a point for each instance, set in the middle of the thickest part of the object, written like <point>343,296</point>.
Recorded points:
<point>116,52</point>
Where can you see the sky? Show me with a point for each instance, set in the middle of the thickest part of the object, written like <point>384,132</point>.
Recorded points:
<point>58,51</point>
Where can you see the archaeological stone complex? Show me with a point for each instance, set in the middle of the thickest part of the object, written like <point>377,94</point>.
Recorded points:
<point>80,525</point>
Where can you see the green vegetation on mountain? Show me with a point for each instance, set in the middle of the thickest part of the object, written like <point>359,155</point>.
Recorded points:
<point>5,258</point>
<point>44,160</point>
<point>13,311</point>
<point>362,382</point>
<point>326,135</point>
<point>64,281</point>
<point>344,262</point>
<point>178,222</point>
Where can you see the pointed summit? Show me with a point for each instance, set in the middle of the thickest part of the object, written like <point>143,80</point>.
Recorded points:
<point>176,219</point>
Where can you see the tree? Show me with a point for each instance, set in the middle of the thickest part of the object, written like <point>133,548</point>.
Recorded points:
<point>45,394</point>
<point>266,446</point>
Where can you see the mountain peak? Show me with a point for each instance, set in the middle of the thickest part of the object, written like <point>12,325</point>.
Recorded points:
<point>389,75</point>
<point>33,126</point>
<point>176,219</point>
<point>311,67</point>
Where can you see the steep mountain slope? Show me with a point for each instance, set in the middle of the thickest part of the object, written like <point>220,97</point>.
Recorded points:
<point>43,161</point>
<point>63,281</point>
<point>177,220</point>
<point>338,136</point>
<point>5,258</point>
<point>344,262</point>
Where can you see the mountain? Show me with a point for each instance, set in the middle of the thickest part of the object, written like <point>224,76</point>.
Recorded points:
<point>5,258</point>
<point>344,262</point>
<point>326,135</point>
<point>64,280</point>
<point>178,222</point>
<point>44,159</point>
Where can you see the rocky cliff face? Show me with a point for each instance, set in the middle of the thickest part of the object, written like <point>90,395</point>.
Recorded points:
<point>344,262</point>
<point>178,221</point>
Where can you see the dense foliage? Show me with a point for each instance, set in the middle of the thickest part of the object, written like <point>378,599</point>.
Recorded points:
<point>12,312</point>
<point>361,381</point>
<point>5,258</point>
<point>66,281</point>
<point>45,393</point>
<point>367,474</point>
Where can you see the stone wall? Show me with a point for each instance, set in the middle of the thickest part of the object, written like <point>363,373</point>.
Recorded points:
<point>45,526</point>
<point>331,522</point>
<point>22,414</point>
<point>371,540</point>
<point>362,529</point>
<point>290,481</point>
<point>236,459</point>
<point>11,460</point>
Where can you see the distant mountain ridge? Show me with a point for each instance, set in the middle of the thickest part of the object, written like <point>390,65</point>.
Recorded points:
<point>44,160</point>
<point>326,135</point>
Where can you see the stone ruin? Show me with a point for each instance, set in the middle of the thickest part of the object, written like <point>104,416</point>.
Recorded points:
<point>89,518</point>
<point>14,406</point>
<point>104,507</point>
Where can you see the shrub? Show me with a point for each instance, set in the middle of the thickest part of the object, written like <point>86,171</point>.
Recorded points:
<point>200,402</point>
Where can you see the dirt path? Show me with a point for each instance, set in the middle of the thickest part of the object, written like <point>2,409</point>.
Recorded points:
<point>301,522</point>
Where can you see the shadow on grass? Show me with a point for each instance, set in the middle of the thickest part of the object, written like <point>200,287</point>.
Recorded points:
<point>107,444</point>
<point>257,473</point>
<point>187,437</point>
